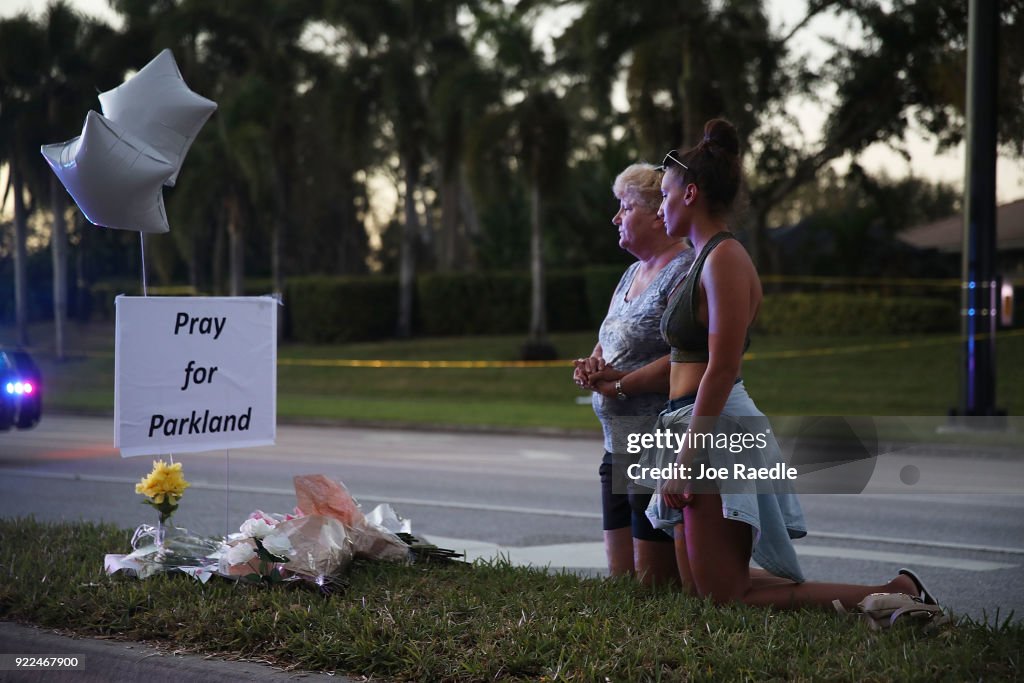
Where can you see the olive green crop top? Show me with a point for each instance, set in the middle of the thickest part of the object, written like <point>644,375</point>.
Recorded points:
<point>679,325</point>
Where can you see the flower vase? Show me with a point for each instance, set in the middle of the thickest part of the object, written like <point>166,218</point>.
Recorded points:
<point>160,533</point>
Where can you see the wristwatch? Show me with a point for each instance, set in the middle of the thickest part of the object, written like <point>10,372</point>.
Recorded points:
<point>619,393</point>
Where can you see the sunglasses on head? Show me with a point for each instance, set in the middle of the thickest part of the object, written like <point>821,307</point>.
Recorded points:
<point>671,156</point>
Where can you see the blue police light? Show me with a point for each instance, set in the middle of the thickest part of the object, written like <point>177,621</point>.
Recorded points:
<point>20,388</point>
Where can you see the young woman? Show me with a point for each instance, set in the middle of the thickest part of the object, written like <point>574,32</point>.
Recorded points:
<point>706,323</point>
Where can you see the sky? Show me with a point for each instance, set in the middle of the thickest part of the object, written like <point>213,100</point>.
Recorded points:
<point>923,162</point>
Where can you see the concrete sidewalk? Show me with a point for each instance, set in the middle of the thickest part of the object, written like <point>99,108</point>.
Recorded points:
<point>113,661</point>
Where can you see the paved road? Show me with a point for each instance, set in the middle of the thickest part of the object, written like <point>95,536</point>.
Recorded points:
<point>533,498</point>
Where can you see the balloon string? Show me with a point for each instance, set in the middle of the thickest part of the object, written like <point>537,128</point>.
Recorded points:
<point>142,250</point>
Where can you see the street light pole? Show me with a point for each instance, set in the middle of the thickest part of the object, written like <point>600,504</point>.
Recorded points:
<point>979,307</point>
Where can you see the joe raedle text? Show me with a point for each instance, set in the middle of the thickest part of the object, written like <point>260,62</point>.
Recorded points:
<point>705,472</point>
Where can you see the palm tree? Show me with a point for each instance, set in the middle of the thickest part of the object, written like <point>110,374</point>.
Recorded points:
<point>427,80</point>
<point>70,72</point>
<point>21,42</point>
<point>536,130</point>
<point>49,68</point>
<point>390,33</point>
<point>459,93</point>
<point>685,62</point>
<point>250,60</point>
<point>336,143</point>
<point>543,131</point>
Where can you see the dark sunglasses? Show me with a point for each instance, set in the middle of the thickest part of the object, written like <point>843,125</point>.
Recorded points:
<point>671,156</point>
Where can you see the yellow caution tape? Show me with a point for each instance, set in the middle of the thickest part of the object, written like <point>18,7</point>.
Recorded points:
<point>871,281</point>
<point>339,363</point>
<point>865,348</point>
<point>470,364</point>
<point>761,355</point>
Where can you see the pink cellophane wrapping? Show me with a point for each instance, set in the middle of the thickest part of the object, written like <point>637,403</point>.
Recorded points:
<point>318,494</point>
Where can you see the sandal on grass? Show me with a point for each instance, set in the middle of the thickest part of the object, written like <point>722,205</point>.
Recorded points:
<point>883,610</point>
<point>922,592</point>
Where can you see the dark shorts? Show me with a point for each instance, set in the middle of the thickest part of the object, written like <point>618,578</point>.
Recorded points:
<point>622,510</point>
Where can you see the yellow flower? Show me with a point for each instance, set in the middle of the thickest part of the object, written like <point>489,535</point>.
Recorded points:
<point>164,480</point>
<point>163,487</point>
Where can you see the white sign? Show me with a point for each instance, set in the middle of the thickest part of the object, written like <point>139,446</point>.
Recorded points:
<point>194,374</point>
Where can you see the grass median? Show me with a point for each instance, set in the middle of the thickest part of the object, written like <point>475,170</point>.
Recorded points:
<point>911,375</point>
<point>471,622</point>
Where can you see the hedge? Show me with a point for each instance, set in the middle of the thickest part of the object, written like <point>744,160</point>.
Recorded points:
<point>468,303</point>
<point>329,309</point>
<point>338,309</point>
<point>852,314</point>
<point>102,295</point>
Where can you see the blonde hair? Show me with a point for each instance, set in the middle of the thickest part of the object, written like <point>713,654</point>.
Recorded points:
<point>639,184</point>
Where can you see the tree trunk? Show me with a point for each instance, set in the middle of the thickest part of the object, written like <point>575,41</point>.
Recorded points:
<point>279,238</point>
<point>236,249</point>
<point>193,264</point>
<point>217,265</point>
<point>58,248</point>
<point>687,93</point>
<point>407,264</point>
<point>537,346</point>
<point>470,221</point>
<point>538,317</point>
<point>447,244</point>
<point>755,238</point>
<point>20,258</point>
<point>83,298</point>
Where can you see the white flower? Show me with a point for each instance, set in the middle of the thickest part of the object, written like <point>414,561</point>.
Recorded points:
<point>240,553</point>
<point>278,544</point>
<point>256,528</point>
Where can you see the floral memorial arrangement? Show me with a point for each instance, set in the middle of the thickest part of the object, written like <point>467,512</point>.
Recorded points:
<point>315,543</point>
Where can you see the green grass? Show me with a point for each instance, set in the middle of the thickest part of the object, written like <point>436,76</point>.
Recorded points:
<point>786,375</point>
<point>469,623</point>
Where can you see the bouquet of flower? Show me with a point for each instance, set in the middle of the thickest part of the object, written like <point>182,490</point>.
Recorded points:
<point>258,551</point>
<point>153,549</point>
<point>163,488</point>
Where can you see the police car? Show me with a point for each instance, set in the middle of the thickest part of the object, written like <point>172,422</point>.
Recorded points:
<point>21,392</point>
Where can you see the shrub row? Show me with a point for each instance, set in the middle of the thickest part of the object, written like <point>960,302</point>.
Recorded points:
<point>855,314</point>
<point>330,309</point>
<point>323,309</point>
<point>326,309</point>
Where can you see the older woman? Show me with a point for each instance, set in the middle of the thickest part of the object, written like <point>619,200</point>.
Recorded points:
<point>707,323</point>
<point>628,371</point>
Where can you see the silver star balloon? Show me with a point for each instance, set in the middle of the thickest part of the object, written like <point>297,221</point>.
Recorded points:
<point>156,106</point>
<point>116,178</point>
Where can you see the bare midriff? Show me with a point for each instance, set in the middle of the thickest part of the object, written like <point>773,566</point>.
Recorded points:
<point>685,378</point>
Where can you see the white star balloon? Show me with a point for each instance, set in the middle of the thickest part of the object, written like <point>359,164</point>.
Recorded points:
<point>116,178</point>
<point>156,106</point>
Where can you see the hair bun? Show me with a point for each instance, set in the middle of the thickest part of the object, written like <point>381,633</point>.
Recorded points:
<point>721,133</point>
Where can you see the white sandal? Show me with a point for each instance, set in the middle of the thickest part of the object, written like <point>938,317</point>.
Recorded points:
<point>883,610</point>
